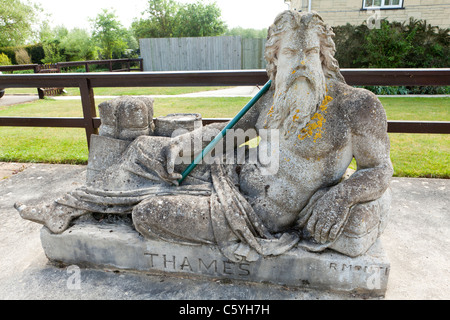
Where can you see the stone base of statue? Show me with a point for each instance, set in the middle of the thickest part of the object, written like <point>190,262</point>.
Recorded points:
<point>117,246</point>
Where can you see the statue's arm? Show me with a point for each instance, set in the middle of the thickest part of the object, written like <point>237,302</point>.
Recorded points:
<point>192,143</point>
<point>371,150</point>
<point>370,147</point>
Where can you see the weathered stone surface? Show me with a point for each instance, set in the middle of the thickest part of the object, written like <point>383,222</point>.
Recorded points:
<point>166,125</point>
<point>126,117</point>
<point>118,246</point>
<point>103,153</point>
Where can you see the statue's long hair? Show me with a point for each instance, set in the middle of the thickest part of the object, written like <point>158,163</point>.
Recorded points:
<point>294,20</point>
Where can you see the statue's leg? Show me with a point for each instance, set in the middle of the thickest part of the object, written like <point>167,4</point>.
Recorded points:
<point>181,218</point>
<point>365,224</point>
<point>140,167</point>
<point>54,216</point>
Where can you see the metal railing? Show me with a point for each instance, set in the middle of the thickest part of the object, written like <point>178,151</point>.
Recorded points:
<point>86,82</point>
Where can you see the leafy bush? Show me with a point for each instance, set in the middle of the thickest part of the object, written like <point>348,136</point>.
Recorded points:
<point>22,56</point>
<point>36,52</point>
<point>412,44</point>
<point>10,53</point>
<point>402,90</point>
<point>53,52</point>
<point>4,60</point>
<point>415,44</point>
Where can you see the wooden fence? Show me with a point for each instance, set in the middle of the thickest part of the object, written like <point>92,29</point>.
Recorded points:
<point>86,64</point>
<point>88,81</point>
<point>57,67</point>
<point>126,64</point>
<point>252,55</point>
<point>203,53</point>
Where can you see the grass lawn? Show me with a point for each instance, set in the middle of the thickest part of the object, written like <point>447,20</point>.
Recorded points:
<point>413,155</point>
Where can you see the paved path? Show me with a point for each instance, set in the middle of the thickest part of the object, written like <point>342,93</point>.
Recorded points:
<point>417,242</point>
<point>244,91</point>
<point>9,100</point>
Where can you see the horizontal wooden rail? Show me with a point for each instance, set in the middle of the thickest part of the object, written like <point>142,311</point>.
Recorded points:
<point>88,81</point>
<point>433,127</point>
<point>360,77</point>
<point>394,126</point>
<point>42,122</point>
<point>397,77</point>
<point>20,67</point>
<point>86,63</point>
<point>110,62</point>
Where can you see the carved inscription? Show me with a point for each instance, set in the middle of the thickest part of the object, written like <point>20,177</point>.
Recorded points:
<point>358,268</point>
<point>197,265</point>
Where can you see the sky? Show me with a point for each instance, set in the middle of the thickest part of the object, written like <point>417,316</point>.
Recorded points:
<point>256,14</point>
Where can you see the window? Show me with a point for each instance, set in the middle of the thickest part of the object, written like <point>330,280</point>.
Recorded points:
<point>382,4</point>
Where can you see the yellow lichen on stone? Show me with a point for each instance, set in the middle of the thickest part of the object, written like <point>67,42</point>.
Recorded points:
<point>314,127</point>
<point>326,100</point>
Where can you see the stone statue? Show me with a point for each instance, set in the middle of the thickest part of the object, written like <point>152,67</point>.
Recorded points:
<point>322,124</point>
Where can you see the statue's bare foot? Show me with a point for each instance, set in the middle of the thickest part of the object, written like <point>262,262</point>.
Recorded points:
<point>54,216</point>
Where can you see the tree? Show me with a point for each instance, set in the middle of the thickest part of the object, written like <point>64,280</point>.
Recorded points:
<point>199,20</point>
<point>60,44</point>
<point>247,32</point>
<point>17,19</point>
<point>78,45</point>
<point>51,39</point>
<point>109,34</point>
<point>53,52</point>
<point>160,21</point>
<point>168,18</point>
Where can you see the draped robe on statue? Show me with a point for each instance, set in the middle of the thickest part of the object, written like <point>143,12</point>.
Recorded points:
<point>229,213</point>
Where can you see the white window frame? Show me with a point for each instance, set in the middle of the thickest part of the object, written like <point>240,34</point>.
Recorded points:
<point>383,6</point>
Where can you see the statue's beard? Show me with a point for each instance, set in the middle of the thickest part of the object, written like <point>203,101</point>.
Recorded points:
<point>295,103</point>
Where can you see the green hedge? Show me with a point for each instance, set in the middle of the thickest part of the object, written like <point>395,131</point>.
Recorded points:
<point>35,51</point>
<point>412,44</point>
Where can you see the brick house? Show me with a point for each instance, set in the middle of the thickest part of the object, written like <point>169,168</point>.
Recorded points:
<point>341,12</point>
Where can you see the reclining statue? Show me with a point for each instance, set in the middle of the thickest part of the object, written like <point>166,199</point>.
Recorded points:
<point>323,124</point>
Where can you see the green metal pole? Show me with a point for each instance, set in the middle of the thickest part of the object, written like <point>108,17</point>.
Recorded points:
<point>230,125</point>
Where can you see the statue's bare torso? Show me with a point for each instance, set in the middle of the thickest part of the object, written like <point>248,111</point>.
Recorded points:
<point>322,156</point>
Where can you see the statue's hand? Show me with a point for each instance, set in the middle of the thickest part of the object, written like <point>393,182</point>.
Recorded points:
<point>328,218</point>
<point>171,153</point>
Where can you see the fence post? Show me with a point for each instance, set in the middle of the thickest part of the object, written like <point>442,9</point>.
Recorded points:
<point>36,70</point>
<point>89,111</point>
